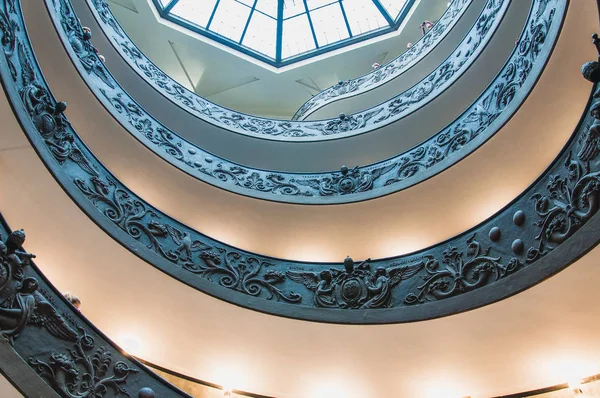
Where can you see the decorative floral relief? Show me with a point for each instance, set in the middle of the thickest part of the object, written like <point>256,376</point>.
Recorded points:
<point>571,198</point>
<point>459,274</point>
<point>31,320</point>
<point>25,306</point>
<point>348,185</point>
<point>355,286</point>
<point>21,304</point>
<point>392,69</point>
<point>565,199</point>
<point>388,112</point>
<point>78,374</point>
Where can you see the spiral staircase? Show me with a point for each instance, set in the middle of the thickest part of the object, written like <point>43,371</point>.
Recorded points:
<point>426,227</point>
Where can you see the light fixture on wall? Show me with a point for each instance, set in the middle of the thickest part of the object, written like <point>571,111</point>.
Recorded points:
<point>575,386</point>
<point>131,344</point>
<point>226,391</point>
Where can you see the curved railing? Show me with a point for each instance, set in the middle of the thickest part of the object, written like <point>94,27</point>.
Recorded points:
<point>393,69</point>
<point>527,241</point>
<point>470,130</point>
<point>349,125</point>
<point>73,357</point>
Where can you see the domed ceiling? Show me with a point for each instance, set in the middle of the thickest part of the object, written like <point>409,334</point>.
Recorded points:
<point>280,32</point>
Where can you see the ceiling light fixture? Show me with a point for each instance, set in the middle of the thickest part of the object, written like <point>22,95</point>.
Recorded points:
<point>575,386</point>
<point>227,391</point>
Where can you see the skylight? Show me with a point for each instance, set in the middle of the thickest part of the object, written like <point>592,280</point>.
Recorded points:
<point>281,32</point>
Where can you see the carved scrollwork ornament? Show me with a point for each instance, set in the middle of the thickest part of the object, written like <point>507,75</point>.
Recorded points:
<point>356,123</point>
<point>55,345</point>
<point>21,304</point>
<point>73,364</point>
<point>392,69</point>
<point>555,207</point>
<point>363,182</point>
<point>84,373</point>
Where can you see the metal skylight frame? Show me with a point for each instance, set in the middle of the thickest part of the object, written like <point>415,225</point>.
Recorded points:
<point>165,11</point>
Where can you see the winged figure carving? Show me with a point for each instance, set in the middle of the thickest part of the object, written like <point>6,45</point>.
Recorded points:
<point>29,306</point>
<point>354,286</point>
<point>320,283</point>
<point>385,279</point>
<point>591,145</point>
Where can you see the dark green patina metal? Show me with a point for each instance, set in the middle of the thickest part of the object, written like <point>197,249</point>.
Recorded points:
<point>529,240</point>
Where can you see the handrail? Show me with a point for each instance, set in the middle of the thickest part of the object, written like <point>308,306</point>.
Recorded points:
<point>71,355</point>
<point>354,124</point>
<point>470,130</point>
<point>526,242</point>
<point>164,10</point>
<point>393,69</point>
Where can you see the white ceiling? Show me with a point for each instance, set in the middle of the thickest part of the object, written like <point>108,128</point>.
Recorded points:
<point>236,81</point>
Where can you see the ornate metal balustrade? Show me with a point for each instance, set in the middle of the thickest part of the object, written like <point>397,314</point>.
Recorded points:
<point>391,70</point>
<point>376,117</point>
<point>477,124</point>
<point>70,354</point>
<point>550,225</point>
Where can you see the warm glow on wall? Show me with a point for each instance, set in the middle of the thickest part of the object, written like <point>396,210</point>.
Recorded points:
<point>407,244</point>
<point>315,251</point>
<point>570,370</point>
<point>328,390</point>
<point>131,343</point>
<point>230,377</point>
<point>441,391</point>
<point>327,384</point>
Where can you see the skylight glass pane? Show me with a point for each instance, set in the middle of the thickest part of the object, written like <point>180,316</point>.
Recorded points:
<point>293,7</point>
<point>269,7</point>
<point>363,16</point>
<point>329,24</point>
<point>312,4</point>
<point>297,36</point>
<point>261,34</point>
<point>393,7</point>
<point>230,19</point>
<point>197,12</point>
<point>307,24</point>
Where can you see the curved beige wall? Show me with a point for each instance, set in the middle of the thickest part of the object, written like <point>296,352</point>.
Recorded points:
<point>421,70</point>
<point>543,336</point>
<point>7,390</point>
<point>385,142</point>
<point>420,216</point>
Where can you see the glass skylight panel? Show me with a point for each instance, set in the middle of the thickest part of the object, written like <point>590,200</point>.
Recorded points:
<point>393,7</point>
<point>197,12</point>
<point>293,7</point>
<point>329,24</point>
<point>261,34</point>
<point>230,19</point>
<point>306,25</point>
<point>269,7</point>
<point>363,16</point>
<point>297,36</point>
<point>313,4</point>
